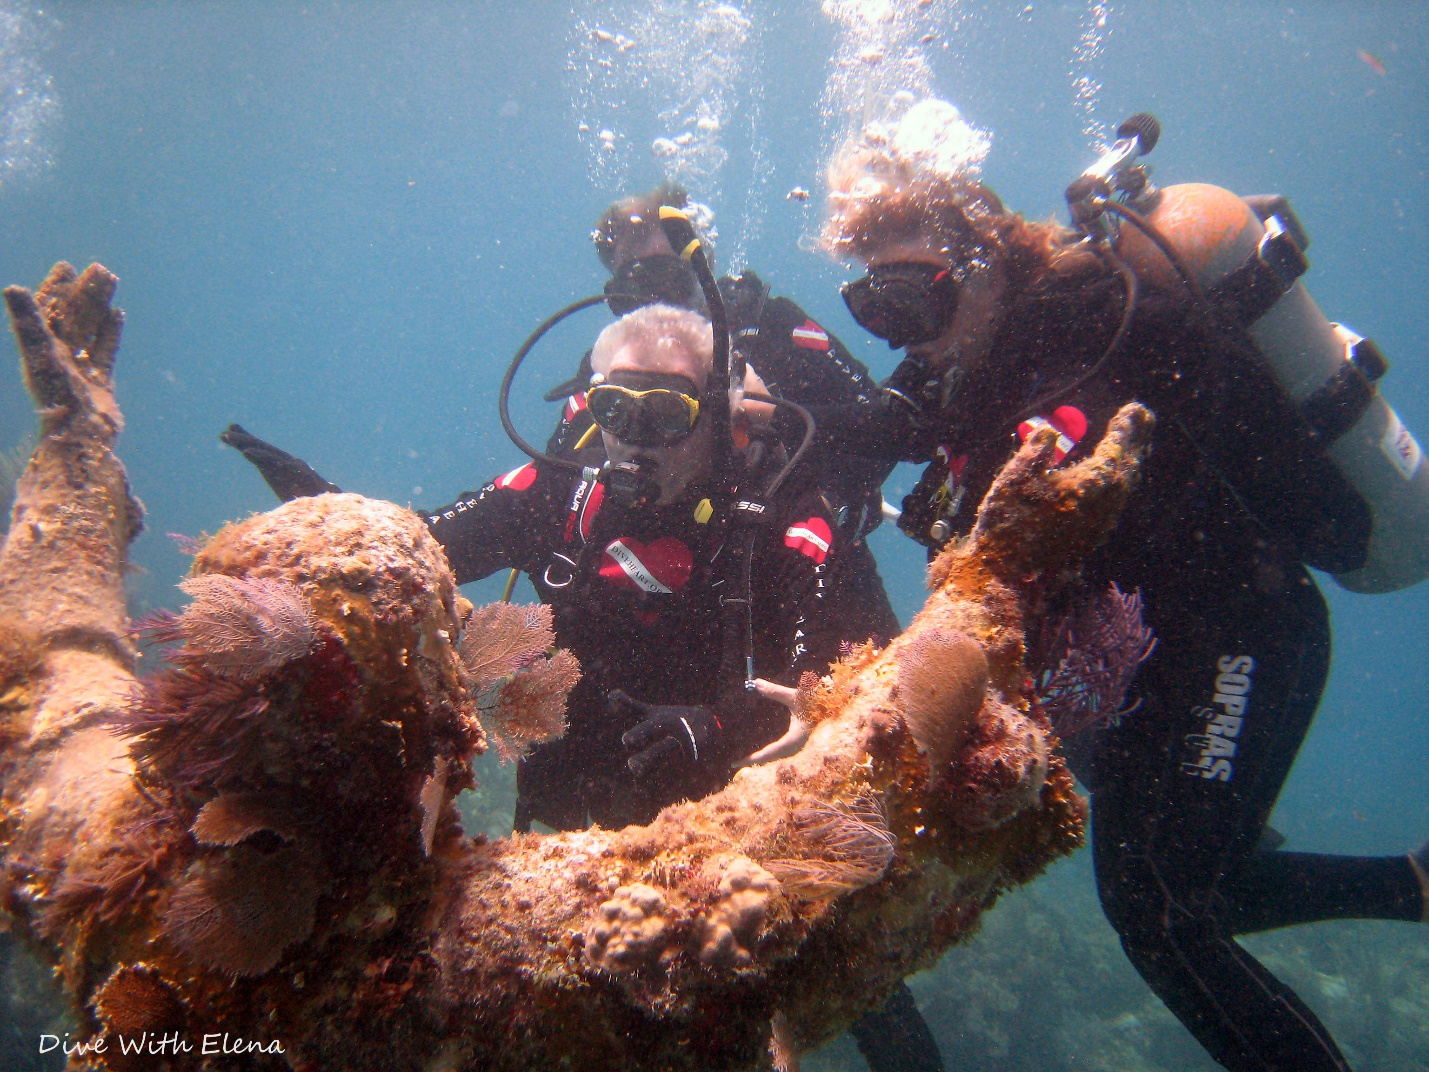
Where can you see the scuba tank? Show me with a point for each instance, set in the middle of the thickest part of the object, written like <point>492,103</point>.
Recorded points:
<point>1249,253</point>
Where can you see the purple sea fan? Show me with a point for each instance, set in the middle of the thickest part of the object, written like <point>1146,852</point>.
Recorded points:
<point>238,628</point>
<point>1098,650</point>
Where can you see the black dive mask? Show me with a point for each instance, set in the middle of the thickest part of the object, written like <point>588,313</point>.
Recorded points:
<point>905,303</point>
<point>661,277</point>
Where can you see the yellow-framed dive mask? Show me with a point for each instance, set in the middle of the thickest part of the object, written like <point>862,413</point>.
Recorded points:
<point>654,418</point>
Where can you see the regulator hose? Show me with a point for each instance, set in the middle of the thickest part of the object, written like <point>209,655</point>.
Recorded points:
<point>503,398</point>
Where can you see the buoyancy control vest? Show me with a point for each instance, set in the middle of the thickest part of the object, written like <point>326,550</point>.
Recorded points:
<point>1249,253</point>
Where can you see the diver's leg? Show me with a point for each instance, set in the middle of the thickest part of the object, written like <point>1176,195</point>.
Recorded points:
<point>548,789</point>
<point>1247,1019</point>
<point>1280,889</point>
<point>1182,790</point>
<point>896,1038</point>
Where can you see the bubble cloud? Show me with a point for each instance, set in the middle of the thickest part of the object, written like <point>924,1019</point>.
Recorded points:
<point>28,108</point>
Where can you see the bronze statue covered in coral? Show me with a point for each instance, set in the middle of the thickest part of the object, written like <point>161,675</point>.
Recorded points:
<point>259,838</point>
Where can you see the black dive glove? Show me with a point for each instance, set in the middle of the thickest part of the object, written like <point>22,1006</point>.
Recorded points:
<point>289,477</point>
<point>672,741</point>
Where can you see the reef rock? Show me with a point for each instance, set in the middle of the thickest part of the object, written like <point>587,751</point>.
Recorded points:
<point>259,838</point>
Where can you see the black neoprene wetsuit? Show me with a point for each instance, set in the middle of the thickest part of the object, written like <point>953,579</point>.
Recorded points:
<point>1235,500</point>
<point>635,597</point>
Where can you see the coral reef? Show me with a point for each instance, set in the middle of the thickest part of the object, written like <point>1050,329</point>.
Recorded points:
<point>260,840</point>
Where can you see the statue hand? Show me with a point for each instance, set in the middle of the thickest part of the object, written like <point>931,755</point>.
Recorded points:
<point>68,335</point>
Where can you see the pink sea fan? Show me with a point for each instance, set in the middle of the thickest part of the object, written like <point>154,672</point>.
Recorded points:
<point>1098,650</point>
<point>244,628</point>
<point>231,818</point>
<point>502,638</point>
<point>238,911</point>
<point>529,707</point>
<point>520,692</point>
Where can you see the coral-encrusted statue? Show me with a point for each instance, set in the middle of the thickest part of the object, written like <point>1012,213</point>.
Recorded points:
<point>259,839</point>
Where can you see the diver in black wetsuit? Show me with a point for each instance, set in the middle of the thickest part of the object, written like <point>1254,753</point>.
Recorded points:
<point>1011,326</point>
<point>819,590</point>
<point>634,583</point>
<point>792,357</point>
<point>634,571</point>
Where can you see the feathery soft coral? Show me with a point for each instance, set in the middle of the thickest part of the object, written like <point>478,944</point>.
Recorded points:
<point>1098,650</point>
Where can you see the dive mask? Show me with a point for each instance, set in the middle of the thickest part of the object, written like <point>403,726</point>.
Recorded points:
<point>662,277</point>
<point>655,418</point>
<point>905,303</point>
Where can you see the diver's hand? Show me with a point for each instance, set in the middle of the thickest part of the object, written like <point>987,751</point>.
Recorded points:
<point>671,740</point>
<point>289,477</point>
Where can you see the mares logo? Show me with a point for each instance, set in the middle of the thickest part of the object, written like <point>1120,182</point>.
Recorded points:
<point>1213,750</point>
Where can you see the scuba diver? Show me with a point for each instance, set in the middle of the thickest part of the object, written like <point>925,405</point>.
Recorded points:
<point>790,355</point>
<point>631,566</point>
<point>630,540</point>
<point>793,356</point>
<point>670,587</point>
<point>1011,326</point>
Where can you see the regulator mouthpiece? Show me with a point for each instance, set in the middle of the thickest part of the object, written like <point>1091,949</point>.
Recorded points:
<point>632,483</point>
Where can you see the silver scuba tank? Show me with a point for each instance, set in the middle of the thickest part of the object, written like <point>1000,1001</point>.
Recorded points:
<point>1254,248</point>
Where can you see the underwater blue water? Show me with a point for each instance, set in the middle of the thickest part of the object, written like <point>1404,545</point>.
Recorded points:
<point>334,222</point>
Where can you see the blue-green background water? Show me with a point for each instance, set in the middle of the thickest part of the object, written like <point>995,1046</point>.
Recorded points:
<point>334,222</point>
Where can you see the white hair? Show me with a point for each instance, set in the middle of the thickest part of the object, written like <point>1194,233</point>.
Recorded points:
<point>663,338</point>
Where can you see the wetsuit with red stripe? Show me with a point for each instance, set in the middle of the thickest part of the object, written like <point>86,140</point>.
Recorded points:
<point>1235,500</point>
<point>635,595</point>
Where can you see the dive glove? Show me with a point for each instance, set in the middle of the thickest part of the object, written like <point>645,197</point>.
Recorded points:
<point>289,477</point>
<point>671,740</point>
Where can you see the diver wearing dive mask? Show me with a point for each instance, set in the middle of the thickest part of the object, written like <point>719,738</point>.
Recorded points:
<point>797,359</point>
<point>647,280</point>
<point>647,426</point>
<point>659,417</point>
<point>905,303</point>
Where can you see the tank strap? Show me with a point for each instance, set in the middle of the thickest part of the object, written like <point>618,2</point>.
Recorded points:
<point>1249,292</point>
<point>1336,405</point>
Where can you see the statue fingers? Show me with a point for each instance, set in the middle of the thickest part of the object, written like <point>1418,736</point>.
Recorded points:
<point>47,372</point>
<point>79,312</point>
